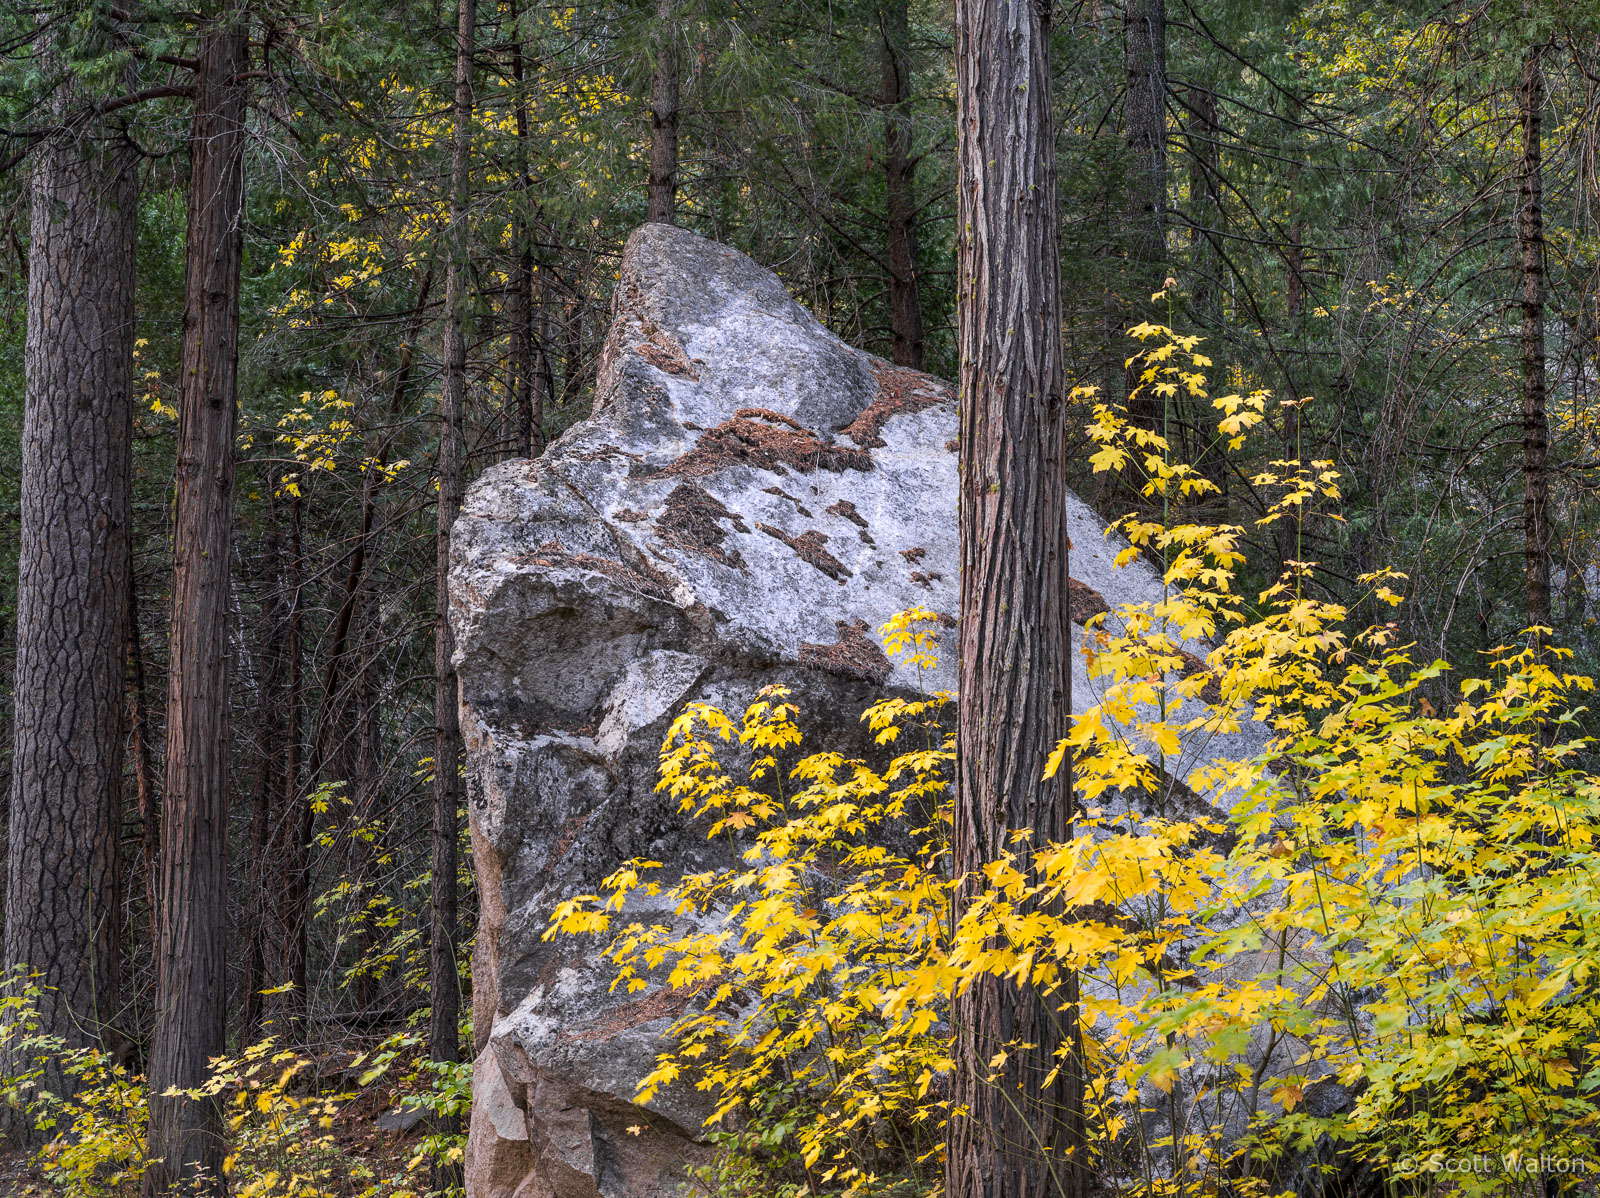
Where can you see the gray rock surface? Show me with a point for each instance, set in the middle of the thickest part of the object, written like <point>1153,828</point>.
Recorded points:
<point>750,500</point>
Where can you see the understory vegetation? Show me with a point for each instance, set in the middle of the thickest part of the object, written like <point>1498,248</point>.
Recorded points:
<point>297,1125</point>
<point>1299,893</point>
<point>1372,944</point>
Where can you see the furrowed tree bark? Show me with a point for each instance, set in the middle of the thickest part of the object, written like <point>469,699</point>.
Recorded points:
<point>661,197</point>
<point>185,1136</point>
<point>444,1040</point>
<point>1535,424</point>
<point>1145,125</point>
<point>1010,1134</point>
<point>72,577</point>
<point>144,774</point>
<point>899,178</point>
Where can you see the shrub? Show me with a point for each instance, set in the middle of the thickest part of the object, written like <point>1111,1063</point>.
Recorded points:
<point>282,1122</point>
<point>1398,913</point>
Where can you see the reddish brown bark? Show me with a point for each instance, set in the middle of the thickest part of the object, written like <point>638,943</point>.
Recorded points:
<point>185,1135</point>
<point>444,1039</point>
<point>1011,1134</point>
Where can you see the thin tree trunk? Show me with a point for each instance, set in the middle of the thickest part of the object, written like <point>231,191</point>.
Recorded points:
<point>524,337</point>
<point>359,552</point>
<point>1205,269</point>
<point>546,394</point>
<point>444,1038</point>
<point>517,412</point>
<point>365,780</point>
<point>269,785</point>
<point>185,1137</point>
<point>1011,1134</point>
<point>72,584</point>
<point>298,824</point>
<point>364,777</point>
<point>1145,125</point>
<point>1535,426</point>
<point>1205,286</point>
<point>899,177</point>
<point>1145,33</point>
<point>573,369</point>
<point>661,197</point>
<point>139,738</point>
<point>288,842</point>
<point>1289,528</point>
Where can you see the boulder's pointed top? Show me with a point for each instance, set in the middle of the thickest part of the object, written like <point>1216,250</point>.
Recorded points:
<point>709,331</point>
<point>677,277</point>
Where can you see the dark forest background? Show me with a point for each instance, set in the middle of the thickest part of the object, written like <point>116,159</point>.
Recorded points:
<point>1388,207</point>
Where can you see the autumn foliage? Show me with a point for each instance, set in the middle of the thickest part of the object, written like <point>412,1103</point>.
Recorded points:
<point>1371,945</point>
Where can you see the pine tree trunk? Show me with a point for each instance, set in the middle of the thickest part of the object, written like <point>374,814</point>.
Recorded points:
<point>1535,425</point>
<point>1145,125</point>
<point>185,1137</point>
<point>661,198</point>
<point>444,1040</point>
<point>72,577</point>
<point>1010,1134</point>
<point>899,178</point>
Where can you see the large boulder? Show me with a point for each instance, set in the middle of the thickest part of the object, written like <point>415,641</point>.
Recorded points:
<point>750,500</point>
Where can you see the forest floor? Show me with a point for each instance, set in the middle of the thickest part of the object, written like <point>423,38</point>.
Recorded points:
<point>18,1176</point>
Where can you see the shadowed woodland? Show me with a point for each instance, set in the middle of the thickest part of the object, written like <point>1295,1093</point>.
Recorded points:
<point>1303,296</point>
